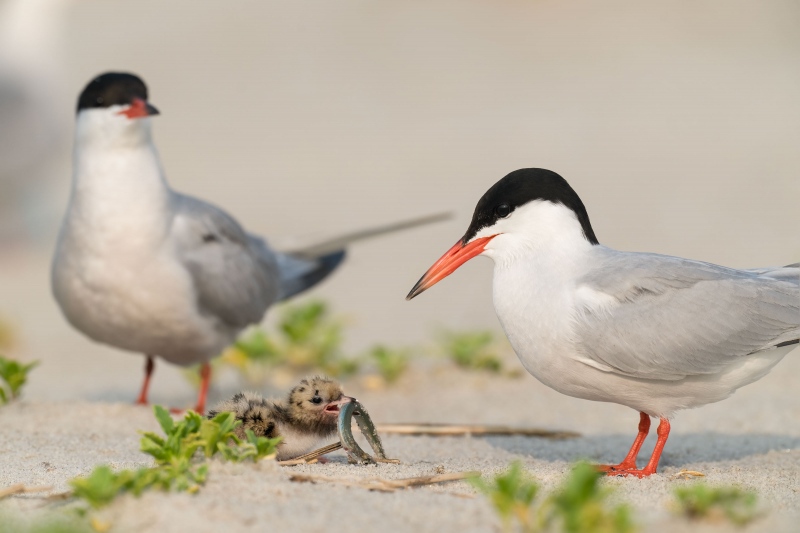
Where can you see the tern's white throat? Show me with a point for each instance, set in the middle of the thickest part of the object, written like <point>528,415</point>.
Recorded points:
<point>119,188</point>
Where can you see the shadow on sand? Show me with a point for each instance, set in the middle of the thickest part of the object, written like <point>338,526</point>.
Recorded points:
<point>681,449</point>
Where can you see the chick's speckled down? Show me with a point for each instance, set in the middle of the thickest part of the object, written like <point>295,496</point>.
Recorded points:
<point>307,416</point>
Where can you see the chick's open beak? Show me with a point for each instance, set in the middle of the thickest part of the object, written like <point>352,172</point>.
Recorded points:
<point>334,407</point>
<point>447,264</point>
<point>140,108</point>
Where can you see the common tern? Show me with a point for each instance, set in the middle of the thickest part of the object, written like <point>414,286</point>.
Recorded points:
<point>143,268</point>
<point>651,332</point>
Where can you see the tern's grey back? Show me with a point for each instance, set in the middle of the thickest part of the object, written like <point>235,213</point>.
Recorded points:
<point>235,276</point>
<point>708,315</point>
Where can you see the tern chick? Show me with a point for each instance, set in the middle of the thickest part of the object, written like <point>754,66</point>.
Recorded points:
<point>307,416</point>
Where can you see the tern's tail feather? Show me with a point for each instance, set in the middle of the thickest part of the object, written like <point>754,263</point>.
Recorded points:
<point>299,275</point>
<point>340,243</point>
<point>303,268</point>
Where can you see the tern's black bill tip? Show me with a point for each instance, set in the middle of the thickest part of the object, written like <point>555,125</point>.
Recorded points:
<point>417,289</point>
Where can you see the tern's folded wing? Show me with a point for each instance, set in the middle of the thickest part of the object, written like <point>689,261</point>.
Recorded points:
<point>235,279</point>
<point>663,317</point>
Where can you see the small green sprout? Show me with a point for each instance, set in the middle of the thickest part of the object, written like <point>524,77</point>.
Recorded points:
<point>390,363</point>
<point>473,351</point>
<point>307,339</point>
<point>258,447</point>
<point>13,375</point>
<point>512,494</point>
<point>701,501</point>
<point>258,347</point>
<point>7,335</point>
<point>580,505</point>
<point>184,438</point>
<point>102,485</point>
<point>49,522</point>
<point>179,456</point>
<point>312,340</point>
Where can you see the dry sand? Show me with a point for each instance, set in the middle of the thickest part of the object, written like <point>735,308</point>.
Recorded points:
<point>678,124</point>
<point>751,440</point>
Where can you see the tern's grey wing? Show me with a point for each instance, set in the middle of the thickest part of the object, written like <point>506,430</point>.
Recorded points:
<point>235,275</point>
<point>668,318</point>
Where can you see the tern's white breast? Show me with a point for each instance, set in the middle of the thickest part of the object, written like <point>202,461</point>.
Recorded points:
<point>115,273</point>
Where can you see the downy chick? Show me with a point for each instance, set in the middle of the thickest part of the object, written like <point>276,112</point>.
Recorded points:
<point>307,416</point>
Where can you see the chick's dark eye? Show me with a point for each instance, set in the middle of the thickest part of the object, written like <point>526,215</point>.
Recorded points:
<point>502,210</point>
<point>316,400</point>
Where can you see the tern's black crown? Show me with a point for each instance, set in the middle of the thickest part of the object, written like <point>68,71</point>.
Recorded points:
<point>112,88</point>
<point>519,188</point>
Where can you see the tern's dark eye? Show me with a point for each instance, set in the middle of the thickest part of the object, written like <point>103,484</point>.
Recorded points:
<point>316,400</point>
<point>502,210</point>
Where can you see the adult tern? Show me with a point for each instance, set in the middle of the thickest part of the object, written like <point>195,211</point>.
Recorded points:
<point>652,332</point>
<point>143,268</point>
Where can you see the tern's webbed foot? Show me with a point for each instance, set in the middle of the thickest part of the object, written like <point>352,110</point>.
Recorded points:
<point>610,469</point>
<point>644,472</point>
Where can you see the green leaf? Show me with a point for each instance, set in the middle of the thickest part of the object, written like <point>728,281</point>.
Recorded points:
<point>15,375</point>
<point>164,419</point>
<point>701,501</point>
<point>151,446</point>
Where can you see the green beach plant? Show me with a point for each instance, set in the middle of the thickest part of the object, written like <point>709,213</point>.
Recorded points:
<point>13,376</point>
<point>512,494</point>
<point>472,350</point>
<point>179,456</point>
<point>48,522</point>
<point>391,363</point>
<point>580,505</point>
<point>306,339</point>
<point>700,501</point>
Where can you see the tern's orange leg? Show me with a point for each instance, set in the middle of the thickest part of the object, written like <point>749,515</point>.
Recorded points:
<point>148,371</point>
<point>629,463</point>
<point>652,464</point>
<point>205,376</point>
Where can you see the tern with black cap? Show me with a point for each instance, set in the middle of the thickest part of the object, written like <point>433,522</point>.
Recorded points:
<point>143,268</point>
<point>651,332</point>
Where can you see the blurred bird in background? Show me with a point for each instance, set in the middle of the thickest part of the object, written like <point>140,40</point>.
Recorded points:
<point>31,124</point>
<point>141,267</point>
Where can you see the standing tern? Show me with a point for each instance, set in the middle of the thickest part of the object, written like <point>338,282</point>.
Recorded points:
<point>143,268</point>
<point>652,332</point>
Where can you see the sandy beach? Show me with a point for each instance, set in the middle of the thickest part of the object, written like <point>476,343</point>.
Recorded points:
<point>678,126</point>
<point>745,441</point>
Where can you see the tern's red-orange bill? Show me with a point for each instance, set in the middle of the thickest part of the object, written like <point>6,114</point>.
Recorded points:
<point>449,263</point>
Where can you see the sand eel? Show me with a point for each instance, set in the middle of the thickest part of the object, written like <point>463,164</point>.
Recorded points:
<point>143,268</point>
<point>652,332</point>
<point>304,420</point>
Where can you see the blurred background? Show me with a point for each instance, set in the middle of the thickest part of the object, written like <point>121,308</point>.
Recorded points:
<point>677,123</point>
